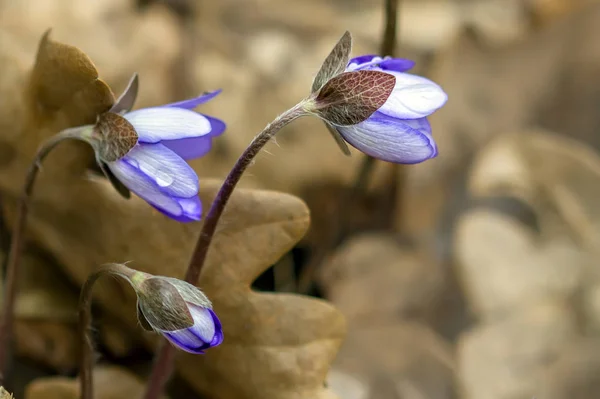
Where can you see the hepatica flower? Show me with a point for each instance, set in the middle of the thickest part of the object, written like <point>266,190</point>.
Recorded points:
<point>398,131</point>
<point>179,311</point>
<point>155,167</point>
<point>376,106</point>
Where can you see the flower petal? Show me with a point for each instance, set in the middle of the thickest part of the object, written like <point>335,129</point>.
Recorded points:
<point>413,97</point>
<point>396,64</point>
<point>167,170</point>
<point>356,62</point>
<point>189,148</point>
<point>141,185</point>
<point>375,62</point>
<point>186,340</point>
<point>217,126</point>
<point>192,209</point>
<point>165,123</point>
<point>218,337</point>
<point>194,102</point>
<point>205,333</point>
<point>391,139</point>
<point>204,325</point>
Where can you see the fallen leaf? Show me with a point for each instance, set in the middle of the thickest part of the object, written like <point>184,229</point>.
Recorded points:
<point>276,346</point>
<point>110,382</point>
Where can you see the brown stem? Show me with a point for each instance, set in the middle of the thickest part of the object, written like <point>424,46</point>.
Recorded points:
<point>85,320</point>
<point>16,245</point>
<point>163,365</point>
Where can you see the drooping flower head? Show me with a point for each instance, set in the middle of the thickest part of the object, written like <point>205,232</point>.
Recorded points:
<point>398,131</point>
<point>155,167</point>
<point>179,311</point>
<point>373,104</point>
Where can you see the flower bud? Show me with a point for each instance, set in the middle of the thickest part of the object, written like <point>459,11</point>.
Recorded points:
<point>179,311</point>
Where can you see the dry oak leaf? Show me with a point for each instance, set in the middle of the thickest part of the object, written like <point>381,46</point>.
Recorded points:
<point>276,346</point>
<point>110,382</point>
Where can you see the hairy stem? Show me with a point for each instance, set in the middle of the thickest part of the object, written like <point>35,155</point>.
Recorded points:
<point>16,245</point>
<point>86,362</point>
<point>163,365</point>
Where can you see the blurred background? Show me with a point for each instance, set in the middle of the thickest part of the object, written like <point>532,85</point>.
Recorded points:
<point>471,276</point>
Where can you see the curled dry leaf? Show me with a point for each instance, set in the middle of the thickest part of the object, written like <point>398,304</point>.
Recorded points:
<point>109,383</point>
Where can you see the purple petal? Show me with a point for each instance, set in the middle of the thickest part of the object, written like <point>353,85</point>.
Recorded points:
<point>363,59</point>
<point>177,208</point>
<point>391,139</point>
<point>413,97</point>
<point>192,209</point>
<point>205,333</point>
<point>186,342</point>
<point>167,170</point>
<point>396,64</point>
<point>164,123</point>
<point>217,126</point>
<point>204,325</point>
<point>374,62</point>
<point>194,102</point>
<point>190,148</point>
<point>218,338</point>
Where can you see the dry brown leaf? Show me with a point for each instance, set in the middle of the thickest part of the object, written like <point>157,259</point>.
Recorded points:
<point>118,35</point>
<point>110,382</point>
<point>277,346</point>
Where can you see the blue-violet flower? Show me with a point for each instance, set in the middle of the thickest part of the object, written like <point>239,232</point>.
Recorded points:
<point>205,333</point>
<point>155,168</point>
<point>398,131</point>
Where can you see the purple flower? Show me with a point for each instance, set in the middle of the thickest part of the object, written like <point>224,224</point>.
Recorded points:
<point>179,311</point>
<point>398,131</point>
<point>156,168</point>
<point>205,333</point>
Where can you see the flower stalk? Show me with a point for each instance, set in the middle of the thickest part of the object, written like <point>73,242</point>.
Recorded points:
<point>85,320</point>
<point>16,245</point>
<point>163,365</point>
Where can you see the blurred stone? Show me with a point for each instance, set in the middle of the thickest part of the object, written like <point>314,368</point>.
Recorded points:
<point>347,386</point>
<point>507,358</point>
<point>403,360</point>
<point>576,373</point>
<point>550,79</point>
<point>503,266</point>
<point>110,382</point>
<point>407,283</point>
